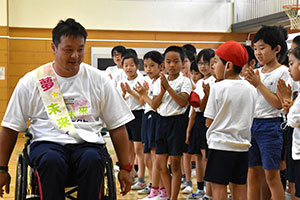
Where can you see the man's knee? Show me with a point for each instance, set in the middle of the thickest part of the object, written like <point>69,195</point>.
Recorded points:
<point>91,158</point>
<point>52,160</point>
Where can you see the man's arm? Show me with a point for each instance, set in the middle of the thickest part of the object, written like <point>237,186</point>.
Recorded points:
<point>120,141</point>
<point>8,138</point>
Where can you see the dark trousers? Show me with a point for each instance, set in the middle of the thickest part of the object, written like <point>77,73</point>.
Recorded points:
<point>58,165</point>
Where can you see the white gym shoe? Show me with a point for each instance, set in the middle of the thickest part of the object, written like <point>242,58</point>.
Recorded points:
<point>146,190</point>
<point>197,195</point>
<point>138,186</point>
<point>116,168</point>
<point>151,198</point>
<point>187,190</point>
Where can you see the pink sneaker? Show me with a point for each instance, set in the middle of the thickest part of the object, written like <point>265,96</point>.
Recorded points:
<point>153,193</point>
<point>163,194</point>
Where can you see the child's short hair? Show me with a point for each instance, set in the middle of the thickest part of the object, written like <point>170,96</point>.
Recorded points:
<point>131,51</point>
<point>176,49</point>
<point>190,48</point>
<point>120,49</point>
<point>206,55</point>
<point>194,67</point>
<point>296,40</point>
<point>189,54</point>
<point>250,54</point>
<point>155,56</point>
<point>235,53</point>
<point>133,56</point>
<point>296,52</point>
<point>273,35</point>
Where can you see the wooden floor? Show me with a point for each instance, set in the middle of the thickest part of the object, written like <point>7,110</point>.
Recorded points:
<point>20,145</point>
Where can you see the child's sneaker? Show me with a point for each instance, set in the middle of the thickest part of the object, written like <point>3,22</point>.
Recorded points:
<point>154,195</point>
<point>138,186</point>
<point>146,190</point>
<point>183,185</point>
<point>187,190</point>
<point>163,194</point>
<point>197,195</point>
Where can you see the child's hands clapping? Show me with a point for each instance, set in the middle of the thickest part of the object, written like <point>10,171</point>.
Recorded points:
<point>287,103</point>
<point>164,82</point>
<point>253,77</point>
<point>142,89</point>
<point>283,91</point>
<point>206,88</point>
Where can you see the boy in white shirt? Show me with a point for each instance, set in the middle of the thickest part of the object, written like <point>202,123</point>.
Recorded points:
<point>266,136</point>
<point>229,121</point>
<point>170,97</point>
<point>116,53</point>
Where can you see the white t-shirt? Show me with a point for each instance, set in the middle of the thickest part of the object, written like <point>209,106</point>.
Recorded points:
<point>90,97</point>
<point>199,89</point>
<point>293,120</point>
<point>231,105</point>
<point>263,108</point>
<point>150,93</point>
<point>112,70</point>
<point>131,101</point>
<point>168,106</point>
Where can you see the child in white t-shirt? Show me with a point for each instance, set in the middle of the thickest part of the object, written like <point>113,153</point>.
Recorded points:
<point>229,121</point>
<point>116,53</point>
<point>135,103</point>
<point>291,107</point>
<point>196,130</point>
<point>152,66</point>
<point>266,134</point>
<point>170,97</point>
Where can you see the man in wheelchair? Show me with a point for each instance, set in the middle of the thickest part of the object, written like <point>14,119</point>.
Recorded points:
<point>67,103</point>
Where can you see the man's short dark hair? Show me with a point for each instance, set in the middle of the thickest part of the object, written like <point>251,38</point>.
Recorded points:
<point>68,28</point>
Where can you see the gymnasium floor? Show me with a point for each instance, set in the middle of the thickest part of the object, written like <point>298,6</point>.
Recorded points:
<point>20,145</point>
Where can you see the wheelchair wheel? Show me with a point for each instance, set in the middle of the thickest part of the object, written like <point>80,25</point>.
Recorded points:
<point>109,190</point>
<point>21,179</point>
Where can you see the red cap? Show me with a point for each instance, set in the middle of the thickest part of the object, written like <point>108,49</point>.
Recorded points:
<point>194,99</point>
<point>234,52</point>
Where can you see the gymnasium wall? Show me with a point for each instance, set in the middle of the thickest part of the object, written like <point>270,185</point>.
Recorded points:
<point>150,15</point>
<point>3,12</point>
<point>25,43</point>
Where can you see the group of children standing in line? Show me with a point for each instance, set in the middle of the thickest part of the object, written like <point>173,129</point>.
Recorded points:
<point>216,106</point>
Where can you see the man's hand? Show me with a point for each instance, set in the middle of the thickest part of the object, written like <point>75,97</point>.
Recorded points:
<point>125,181</point>
<point>4,181</point>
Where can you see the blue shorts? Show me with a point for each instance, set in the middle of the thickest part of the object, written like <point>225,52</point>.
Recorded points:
<point>267,142</point>
<point>149,128</point>
<point>134,127</point>
<point>171,134</point>
<point>197,140</point>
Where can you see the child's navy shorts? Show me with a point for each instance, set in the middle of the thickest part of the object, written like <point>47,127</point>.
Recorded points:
<point>171,134</point>
<point>267,142</point>
<point>197,140</point>
<point>149,128</point>
<point>226,166</point>
<point>134,127</point>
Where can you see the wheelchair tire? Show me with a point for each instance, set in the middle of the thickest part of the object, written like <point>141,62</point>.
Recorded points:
<point>21,179</point>
<point>109,192</point>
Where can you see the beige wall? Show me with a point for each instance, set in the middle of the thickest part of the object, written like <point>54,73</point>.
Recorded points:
<point>150,15</point>
<point>3,12</point>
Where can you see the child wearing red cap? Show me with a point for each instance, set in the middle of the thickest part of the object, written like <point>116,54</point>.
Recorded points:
<point>229,122</point>
<point>266,134</point>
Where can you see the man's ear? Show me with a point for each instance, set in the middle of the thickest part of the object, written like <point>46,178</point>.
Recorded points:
<point>53,47</point>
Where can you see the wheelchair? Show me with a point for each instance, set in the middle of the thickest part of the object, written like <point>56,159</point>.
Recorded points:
<point>25,190</point>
